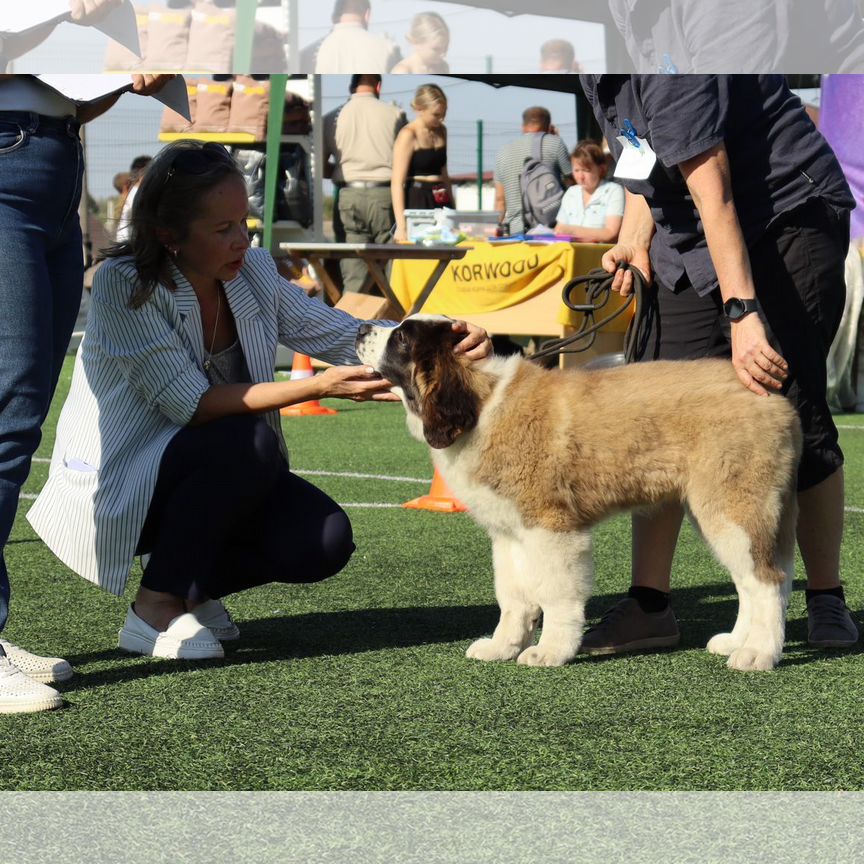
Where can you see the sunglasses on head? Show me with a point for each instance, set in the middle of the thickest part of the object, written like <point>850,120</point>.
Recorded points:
<point>199,160</point>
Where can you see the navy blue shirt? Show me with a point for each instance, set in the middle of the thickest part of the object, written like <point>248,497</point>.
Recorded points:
<point>743,35</point>
<point>777,157</point>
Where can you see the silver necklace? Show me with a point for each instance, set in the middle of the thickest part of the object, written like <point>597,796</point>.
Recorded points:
<point>208,361</point>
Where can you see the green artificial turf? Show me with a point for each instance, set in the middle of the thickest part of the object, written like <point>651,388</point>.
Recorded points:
<point>361,682</point>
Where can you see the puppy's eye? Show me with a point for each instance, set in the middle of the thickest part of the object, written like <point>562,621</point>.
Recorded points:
<point>400,338</point>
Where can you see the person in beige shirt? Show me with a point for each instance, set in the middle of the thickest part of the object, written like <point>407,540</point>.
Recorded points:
<point>350,45</point>
<point>358,158</point>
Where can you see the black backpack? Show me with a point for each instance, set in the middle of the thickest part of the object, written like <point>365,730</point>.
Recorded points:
<point>541,188</point>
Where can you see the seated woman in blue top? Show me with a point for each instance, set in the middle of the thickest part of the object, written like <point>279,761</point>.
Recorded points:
<point>593,209</point>
<point>169,444</point>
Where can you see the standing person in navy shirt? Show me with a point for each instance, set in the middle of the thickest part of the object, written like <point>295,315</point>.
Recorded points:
<point>686,36</point>
<point>738,209</point>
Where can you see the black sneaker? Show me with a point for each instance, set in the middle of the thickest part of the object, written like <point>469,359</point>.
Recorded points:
<point>625,627</point>
<point>829,624</point>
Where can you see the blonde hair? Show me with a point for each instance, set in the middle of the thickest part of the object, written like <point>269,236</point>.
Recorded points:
<point>428,95</point>
<point>426,27</point>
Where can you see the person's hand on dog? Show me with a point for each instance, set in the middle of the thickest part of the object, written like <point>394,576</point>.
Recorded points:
<point>358,383</point>
<point>758,366</point>
<point>636,256</point>
<point>85,12</point>
<point>147,85</point>
<point>476,345</point>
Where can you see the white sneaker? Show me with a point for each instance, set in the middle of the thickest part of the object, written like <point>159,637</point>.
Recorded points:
<point>185,639</point>
<point>213,615</point>
<point>48,670</point>
<point>22,695</point>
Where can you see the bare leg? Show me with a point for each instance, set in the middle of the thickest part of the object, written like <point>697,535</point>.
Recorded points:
<point>655,535</point>
<point>820,531</point>
<point>158,608</point>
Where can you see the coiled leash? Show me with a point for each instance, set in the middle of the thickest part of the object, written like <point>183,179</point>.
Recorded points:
<point>598,290</point>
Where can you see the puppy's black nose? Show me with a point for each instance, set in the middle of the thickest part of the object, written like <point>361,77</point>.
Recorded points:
<point>364,329</point>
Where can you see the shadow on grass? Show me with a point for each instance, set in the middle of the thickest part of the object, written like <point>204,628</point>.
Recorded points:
<point>702,611</point>
<point>316,634</point>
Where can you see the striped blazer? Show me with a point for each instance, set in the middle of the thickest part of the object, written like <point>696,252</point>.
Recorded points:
<point>137,380</point>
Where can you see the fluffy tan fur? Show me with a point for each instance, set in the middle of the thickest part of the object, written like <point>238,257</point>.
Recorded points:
<point>540,456</point>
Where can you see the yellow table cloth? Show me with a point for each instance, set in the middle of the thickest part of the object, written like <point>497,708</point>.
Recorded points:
<point>494,276</point>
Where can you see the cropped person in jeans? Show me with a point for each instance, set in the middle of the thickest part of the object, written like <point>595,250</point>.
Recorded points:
<point>738,208</point>
<point>170,444</point>
<point>41,278</point>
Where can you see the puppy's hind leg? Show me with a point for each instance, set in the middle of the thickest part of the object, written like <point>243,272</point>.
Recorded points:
<point>773,543</point>
<point>563,575</point>
<point>519,615</point>
<point>756,641</point>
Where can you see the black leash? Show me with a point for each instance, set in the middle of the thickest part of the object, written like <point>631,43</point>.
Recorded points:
<point>598,290</point>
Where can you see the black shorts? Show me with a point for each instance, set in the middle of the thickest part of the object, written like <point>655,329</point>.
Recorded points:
<point>798,271</point>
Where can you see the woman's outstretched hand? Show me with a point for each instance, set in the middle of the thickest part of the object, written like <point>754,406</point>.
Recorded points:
<point>358,383</point>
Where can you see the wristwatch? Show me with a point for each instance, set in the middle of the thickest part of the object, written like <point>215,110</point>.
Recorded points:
<point>736,309</point>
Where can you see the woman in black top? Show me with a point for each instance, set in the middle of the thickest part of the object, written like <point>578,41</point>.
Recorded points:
<point>419,180</point>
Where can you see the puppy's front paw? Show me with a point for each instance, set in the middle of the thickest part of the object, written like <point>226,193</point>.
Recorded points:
<point>722,643</point>
<point>489,649</point>
<point>537,655</point>
<point>750,660</point>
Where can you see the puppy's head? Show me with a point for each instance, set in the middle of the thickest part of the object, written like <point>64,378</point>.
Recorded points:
<point>435,384</point>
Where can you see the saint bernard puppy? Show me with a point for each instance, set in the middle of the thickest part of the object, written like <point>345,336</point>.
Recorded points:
<point>541,456</point>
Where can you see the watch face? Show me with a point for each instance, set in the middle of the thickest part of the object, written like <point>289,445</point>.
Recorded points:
<point>734,308</point>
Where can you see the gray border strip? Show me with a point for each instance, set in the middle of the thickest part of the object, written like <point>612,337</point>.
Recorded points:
<point>431,828</point>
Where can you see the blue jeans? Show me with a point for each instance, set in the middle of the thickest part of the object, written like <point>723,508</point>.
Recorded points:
<point>41,277</point>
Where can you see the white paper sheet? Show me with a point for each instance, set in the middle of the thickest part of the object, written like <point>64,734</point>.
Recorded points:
<point>82,89</point>
<point>18,17</point>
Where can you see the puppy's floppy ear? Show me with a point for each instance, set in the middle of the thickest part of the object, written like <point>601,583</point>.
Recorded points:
<point>449,407</point>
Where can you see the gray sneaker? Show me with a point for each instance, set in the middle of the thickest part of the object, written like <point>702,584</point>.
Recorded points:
<point>625,627</point>
<point>829,624</point>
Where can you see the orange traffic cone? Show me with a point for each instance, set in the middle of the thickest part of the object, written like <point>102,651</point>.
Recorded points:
<point>302,368</point>
<point>440,498</point>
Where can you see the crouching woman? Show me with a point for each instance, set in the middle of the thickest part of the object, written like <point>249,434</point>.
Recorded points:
<point>169,444</point>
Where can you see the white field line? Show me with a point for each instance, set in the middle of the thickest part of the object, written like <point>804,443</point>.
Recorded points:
<point>29,496</point>
<point>352,474</point>
<point>357,476</point>
<point>847,426</point>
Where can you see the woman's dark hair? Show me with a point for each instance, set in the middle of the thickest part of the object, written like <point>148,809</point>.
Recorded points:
<point>591,152</point>
<point>169,198</point>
